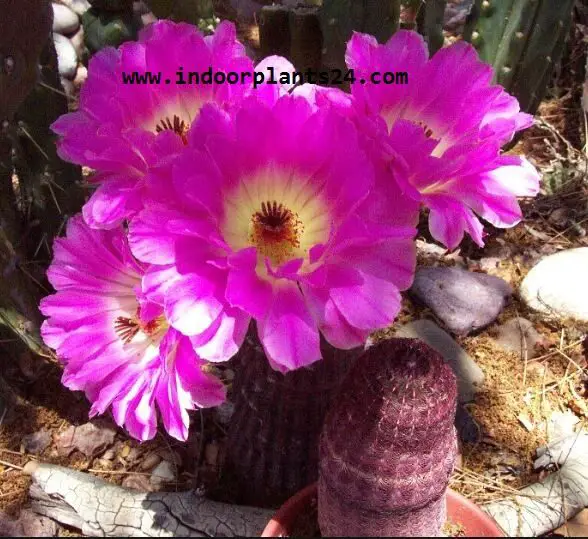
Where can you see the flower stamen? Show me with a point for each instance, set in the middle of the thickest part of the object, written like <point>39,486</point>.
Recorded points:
<point>275,231</point>
<point>128,328</point>
<point>428,131</point>
<point>177,125</point>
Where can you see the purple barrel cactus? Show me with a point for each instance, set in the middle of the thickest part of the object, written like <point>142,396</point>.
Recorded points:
<point>388,445</point>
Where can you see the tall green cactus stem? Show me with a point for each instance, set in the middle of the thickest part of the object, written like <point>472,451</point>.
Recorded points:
<point>523,40</point>
<point>306,39</point>
<point>388,445</point>
<point>341,17</point>
<point>431,27</point>
<point>191,11</point>
<point>107,27</point>
<point>274,31</point>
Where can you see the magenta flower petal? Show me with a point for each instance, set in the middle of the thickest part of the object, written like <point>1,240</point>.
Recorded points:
<point>448,220</point>
<point>113,339</point>
<point>331,323</point>
<point>467,177</point>
<point>112,202</point>
<point>438,136</point>
<point>118,125</point>
<point>222,340</point>
<point>191,303</point>
<point>288,333</point>
<point>245,288</point>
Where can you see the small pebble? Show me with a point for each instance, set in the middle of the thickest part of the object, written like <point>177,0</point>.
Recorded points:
<point>557,285</point>
<point>77,6</point>
<point>149,462</point>
<point>163,473</point>
<point>81,75</point>
<point>67,59</point>
<point>65,21</point>
<point>37,442</point>
<point>137,482</point>
<point>464,301</point>
<point>518,335</point>
<point>109,454</point>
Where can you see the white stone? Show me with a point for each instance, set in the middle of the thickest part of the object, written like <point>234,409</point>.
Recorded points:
<point>65,21</point>
<point>558,285</point>
<point>163,473</point>
<point>78,6</point>
<point>67,59</point>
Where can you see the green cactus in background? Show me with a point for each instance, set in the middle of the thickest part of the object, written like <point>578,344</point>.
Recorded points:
<point>110,23</point>
<point>37,190</point>
<point>523,40</point>
<point>197,12</point>
<point>430,23</point>
<point>339,18</point>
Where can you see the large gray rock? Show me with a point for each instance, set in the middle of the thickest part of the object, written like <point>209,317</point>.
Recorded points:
<point>65,21</point>
<point>67,59</point>
<point>558,285</point>
<point>469,376</point>
<point>464,301</point>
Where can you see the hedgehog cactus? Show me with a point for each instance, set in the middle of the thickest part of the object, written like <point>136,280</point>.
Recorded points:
<point>388,445</point>
<point>273,435</point>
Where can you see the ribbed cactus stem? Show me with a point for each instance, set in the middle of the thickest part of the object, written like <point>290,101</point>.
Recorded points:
<point>389,445</point>
<point>273,434</point>
<point>523,40</point>
<point>340,18</point>
<point>432,30</point>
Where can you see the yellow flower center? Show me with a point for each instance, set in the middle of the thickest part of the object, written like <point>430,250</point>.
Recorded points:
<point>279,212</point>
<point>275,231</point>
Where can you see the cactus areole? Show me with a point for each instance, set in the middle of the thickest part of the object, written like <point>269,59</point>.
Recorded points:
<point>388,445</point>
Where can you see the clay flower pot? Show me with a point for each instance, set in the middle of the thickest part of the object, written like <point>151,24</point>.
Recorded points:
<point>460,510</point>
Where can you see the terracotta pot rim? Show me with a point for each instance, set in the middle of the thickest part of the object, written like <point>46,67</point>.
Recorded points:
<point>280,523</point>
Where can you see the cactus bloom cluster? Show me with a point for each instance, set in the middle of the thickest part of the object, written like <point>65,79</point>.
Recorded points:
<point>295,208</point>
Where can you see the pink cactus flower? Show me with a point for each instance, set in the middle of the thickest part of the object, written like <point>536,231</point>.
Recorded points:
<point>115,343</point>
<point>123,130</point>
<point>268,222</point>
<point>446,126</point>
